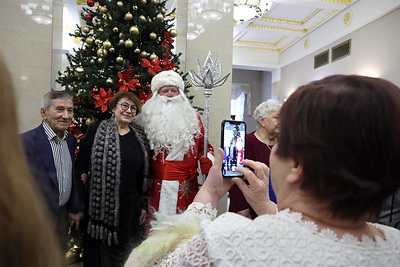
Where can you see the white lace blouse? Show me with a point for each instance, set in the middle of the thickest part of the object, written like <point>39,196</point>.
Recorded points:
<point>282,239</point>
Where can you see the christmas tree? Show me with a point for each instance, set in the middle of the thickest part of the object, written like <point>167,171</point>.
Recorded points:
<point>123,45</point>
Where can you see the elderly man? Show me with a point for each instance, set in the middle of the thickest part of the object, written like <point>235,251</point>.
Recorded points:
<point>176,136</point>
<point>50,153</point>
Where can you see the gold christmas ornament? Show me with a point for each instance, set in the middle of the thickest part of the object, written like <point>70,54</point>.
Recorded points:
<point>112,49</point>
<point>120,4</point>
<point>154,2</point>
<point>77,32</point>
<point>143,54</point>
<point>86,29</point>
<point>107,44</point>
<point>128,43</point>
<point>144,2</point>
<point>173,33</point>
<point>92,61</point>
<point>128,16</point>
<point>153,56</point>
<point>119,59</point>
<point>98,41</point>
<point>101,52</point>
<point>134,30</point>
<point>89,121</point>
<point>137,50</point>
<point>135,8</point>
<point>153,36</point>
<point>100,60</point>
<point>78,71</point>
<point>121,35</point>
<point>142,18</point>
<point>109,81</point>
<point>163,10</point>
<point>103,9</point>
<point>160,17</point>
<point>89,40</point>
<point>115,29</point>
<point>121,42</point>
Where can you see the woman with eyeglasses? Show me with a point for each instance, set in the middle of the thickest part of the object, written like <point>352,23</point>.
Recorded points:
<point>113,163</point>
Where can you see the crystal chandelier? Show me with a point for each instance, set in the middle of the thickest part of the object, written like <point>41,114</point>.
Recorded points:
<point>210,10</point>
<point>245,10</point>
<point>39,11</point>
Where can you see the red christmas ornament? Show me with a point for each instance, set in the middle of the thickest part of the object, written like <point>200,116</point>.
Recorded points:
<point>89,16</point>
<point>90,2</point>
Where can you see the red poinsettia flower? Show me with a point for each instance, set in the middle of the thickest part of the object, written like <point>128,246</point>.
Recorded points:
<point>144,97</point>
<point>168,65</point>
<point>103,99</point>
<point>126,82</point>
<point>168,39</point>
<point>153,66</point>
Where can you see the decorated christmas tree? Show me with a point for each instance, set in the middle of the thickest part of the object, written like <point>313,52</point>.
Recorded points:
<point>124,43</point>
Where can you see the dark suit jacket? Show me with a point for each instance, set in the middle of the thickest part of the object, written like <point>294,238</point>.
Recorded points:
<point>41,162</point>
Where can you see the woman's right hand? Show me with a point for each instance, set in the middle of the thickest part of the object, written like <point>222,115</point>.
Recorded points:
<point>84,177</point>
<point>256,192</point>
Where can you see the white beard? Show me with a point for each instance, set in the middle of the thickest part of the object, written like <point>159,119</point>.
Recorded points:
<point>171,125</point>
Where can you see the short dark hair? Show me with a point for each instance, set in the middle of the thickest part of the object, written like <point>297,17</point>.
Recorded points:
<point>125,94</point>
<point>344,131</point>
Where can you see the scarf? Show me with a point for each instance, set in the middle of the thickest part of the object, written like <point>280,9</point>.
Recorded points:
<point>105,180</point>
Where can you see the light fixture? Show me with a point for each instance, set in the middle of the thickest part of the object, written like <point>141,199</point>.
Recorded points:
<point>210,10</point>
<point>39,11</point>
<point>194,30</point>
<point>245,10</point>
<point>39,16</point>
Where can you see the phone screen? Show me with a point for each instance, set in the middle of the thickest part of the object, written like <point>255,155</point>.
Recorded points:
<point>233,140</point>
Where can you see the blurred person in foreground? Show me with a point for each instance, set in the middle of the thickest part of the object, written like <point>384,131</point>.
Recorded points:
<point>176,136</point>
<point>336,161</point>
<point>26,236</point>
<point>114,161</point>
<point>259,144</point>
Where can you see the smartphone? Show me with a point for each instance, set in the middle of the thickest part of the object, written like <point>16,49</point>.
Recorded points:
<point>233,140</point>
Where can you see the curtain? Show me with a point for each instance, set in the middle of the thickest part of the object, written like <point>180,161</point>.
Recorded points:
<point>241,100</point>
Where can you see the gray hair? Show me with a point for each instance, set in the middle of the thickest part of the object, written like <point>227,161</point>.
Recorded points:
<point>47,98</point>
<point>266,107</point>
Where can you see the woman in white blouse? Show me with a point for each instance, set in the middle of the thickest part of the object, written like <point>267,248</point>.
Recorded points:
<point>336,161</point>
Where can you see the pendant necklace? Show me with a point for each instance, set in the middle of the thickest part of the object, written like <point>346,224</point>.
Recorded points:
<point>262,140</point>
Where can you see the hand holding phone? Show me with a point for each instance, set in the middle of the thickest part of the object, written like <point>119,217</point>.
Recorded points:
<point>233,140</point>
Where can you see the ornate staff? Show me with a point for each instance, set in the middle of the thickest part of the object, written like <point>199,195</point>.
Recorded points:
<point>208,77</point>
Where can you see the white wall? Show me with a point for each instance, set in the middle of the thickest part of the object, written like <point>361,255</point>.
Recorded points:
<point>374,52</point>
<point>27,49</point>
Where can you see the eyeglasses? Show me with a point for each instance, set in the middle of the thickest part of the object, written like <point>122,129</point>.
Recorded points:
<point>125,106</point>
<point>168,89</point>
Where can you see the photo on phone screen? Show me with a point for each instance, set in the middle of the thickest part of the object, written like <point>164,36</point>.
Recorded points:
<point>233,140</point>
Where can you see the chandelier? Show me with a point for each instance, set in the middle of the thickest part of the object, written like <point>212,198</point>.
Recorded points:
<point>210,10</point>
<point>39,11</point>
<point>250,9</point>
<point>194,30</point>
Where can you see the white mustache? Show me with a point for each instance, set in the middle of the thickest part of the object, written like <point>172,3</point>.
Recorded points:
<point>166,99</point>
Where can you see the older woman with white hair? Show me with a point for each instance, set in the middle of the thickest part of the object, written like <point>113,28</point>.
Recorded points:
<point>258,147</point>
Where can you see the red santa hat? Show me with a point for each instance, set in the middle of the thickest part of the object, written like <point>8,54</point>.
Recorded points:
<point>167,78</point>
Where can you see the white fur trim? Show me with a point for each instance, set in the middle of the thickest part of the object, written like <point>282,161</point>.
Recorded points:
<point>167,78</point>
